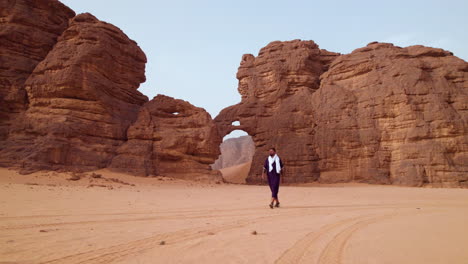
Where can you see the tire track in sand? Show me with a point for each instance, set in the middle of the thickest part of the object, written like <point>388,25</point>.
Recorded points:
<point>333,252</point>
<point>112,253</point>
<point>119,220</point>
<point>335,237</point>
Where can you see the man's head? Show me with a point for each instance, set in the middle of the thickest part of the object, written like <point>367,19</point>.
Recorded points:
<point>272,151</point>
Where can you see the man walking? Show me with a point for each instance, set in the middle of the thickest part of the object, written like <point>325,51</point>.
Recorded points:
<point>272,167</point>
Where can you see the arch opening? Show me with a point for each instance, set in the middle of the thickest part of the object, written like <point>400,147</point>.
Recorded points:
<point>237,151</point>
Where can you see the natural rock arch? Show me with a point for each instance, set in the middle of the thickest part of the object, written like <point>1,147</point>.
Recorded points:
<point>381,114</point>
<point>276,89</point>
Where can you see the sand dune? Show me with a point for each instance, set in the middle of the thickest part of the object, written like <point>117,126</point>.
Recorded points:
<point>235,151</point>
<point>45,218</point>
<point>236,173</point>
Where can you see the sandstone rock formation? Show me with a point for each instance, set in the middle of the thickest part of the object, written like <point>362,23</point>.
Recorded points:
<point>70,84</point>
<point>385,114</point>
<point>276,88</point>
<point>382,114</point>
<point>28,31</point>
<point>82,98</point>
<point>170,138</point>
<point>235,151</point>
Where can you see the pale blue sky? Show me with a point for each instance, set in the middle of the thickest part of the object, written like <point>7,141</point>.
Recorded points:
<point>194,47</point>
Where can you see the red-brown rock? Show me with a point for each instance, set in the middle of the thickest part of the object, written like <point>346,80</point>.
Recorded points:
<point>173,138</point>
<point>28,31</point>
<point>392,115</point>
<point>276,88</point>
<point>82,98</point>
<point>382,114</point>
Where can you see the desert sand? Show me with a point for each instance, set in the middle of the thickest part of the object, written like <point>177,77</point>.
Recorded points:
<point>237,173</point>
<point>45,218</point>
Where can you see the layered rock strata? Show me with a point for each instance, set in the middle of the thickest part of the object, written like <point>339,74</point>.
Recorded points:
<point>381,114</point>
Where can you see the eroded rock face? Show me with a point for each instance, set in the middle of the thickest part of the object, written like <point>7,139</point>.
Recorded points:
<point>235,151</point>
<point>392,115</point>
<point>173,138</point>
<point>72,86</point>
<point>382,114</point>
<point>276,88</point>
<point>82,98</point>
<point>28,31</point>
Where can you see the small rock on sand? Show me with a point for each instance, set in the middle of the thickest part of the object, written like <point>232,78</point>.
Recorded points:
<point>74,178</point>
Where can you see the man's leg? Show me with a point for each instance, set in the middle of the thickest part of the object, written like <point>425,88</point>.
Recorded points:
<point>271,184</point>
<point>277,183</point>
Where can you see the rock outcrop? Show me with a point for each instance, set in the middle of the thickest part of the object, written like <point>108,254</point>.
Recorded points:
<point>170,138</point>
<point>69,100</point>
<point>28,31</point>
<point>382,114</point>
<point>235,151</point>
<point>276,88</point>
<point>82,98</point>
<point>391,115</point>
